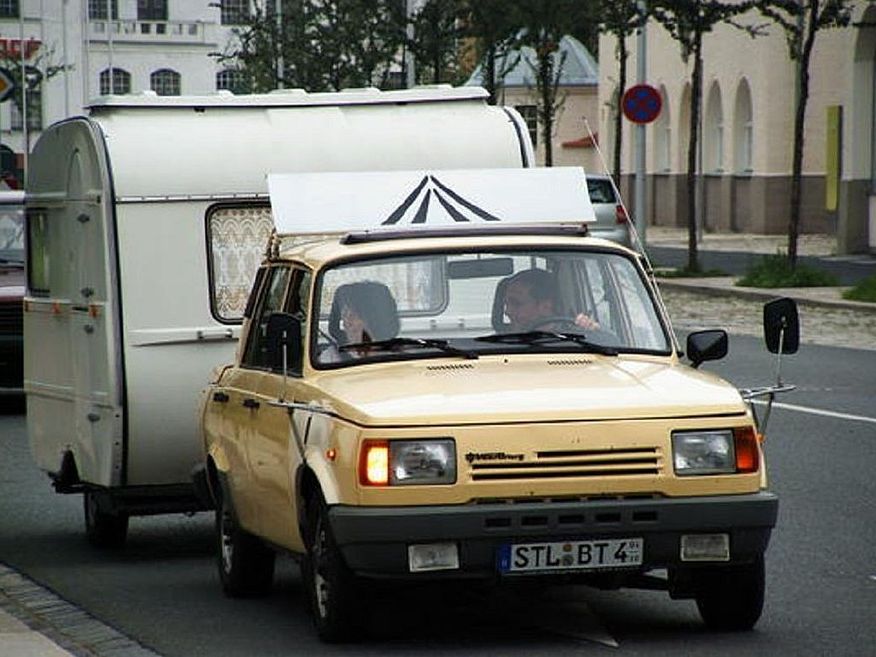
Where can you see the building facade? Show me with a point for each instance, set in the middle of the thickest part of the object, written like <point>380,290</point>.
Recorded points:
<point>747,119</point>
<point>576,123</point>
<point>70,51</point>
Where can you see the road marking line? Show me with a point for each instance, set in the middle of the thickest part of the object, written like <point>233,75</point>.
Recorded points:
<point>818,411</point>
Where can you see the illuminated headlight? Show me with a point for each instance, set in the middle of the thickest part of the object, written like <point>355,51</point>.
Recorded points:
<point>408,462</point>
<point>703,452</point>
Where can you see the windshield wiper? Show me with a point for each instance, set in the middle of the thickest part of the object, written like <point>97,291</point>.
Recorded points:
<point>549,337</point>
<point>423,343</point>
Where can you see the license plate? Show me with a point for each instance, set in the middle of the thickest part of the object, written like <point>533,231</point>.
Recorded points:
<point>570,555</point>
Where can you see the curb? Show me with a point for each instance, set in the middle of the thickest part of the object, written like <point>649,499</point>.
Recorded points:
<point>726,288</point>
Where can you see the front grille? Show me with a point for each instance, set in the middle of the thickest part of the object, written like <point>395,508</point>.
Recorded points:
<point>11,317</point>
<point>573,464</point>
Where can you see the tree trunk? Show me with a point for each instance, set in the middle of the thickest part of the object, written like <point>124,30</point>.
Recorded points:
<point>693,263</point>
<point>490,73</point>
<point>799,135</point>
<point>622,56</point>
<point>545,73</point>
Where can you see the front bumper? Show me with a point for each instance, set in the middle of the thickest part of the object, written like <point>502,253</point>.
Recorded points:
<point>374,540</point>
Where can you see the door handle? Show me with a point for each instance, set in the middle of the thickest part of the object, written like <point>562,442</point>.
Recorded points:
<point>220,397</point>
<point>249,402</point>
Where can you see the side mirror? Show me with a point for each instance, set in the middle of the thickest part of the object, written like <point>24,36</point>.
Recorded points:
<point>781,326</point>
<point>706,345</point>
<point>283,341</point>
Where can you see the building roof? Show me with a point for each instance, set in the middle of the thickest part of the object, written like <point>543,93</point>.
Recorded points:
<point>580,68</point>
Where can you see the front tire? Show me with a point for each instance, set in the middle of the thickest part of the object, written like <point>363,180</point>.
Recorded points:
<point>104,529</point>
<point>731,598</point>
<point>246,565</point>
<point>330,585</point>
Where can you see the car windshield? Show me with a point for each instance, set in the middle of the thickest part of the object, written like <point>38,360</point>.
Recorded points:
<point>470,304</point>
<point>600,190</point>
<point>11,234</point>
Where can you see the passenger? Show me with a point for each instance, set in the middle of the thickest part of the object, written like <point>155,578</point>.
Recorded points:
<point>531,303</point>
<point>361,312</point>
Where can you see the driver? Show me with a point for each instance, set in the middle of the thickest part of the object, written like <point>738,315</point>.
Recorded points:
<point>531,302</point>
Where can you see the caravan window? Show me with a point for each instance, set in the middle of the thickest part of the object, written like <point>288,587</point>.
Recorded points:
<point>236,236</point>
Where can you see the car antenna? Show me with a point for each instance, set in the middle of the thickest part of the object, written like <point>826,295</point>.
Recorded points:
<point>631,223</point>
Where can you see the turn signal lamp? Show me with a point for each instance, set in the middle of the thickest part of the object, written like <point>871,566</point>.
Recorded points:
<point>374,464</point>
<point>747,454</point>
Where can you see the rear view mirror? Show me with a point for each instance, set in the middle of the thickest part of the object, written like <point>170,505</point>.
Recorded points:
<point>706,345</point>
<point>781,326</point>
<point>480,268</point>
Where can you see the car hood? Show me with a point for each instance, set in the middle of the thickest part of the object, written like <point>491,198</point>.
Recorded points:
<point>524,389</point>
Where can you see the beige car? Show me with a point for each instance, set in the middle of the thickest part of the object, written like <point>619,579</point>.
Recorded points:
<point>502,405</point>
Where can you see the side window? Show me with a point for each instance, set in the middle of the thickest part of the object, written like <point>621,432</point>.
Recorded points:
<point>272,296</point>
<point>38,254</point>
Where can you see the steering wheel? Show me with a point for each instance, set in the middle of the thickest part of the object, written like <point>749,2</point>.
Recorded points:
<point>560,320</point>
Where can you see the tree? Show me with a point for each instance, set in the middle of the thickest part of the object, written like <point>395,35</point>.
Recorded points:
<point>39,67</point>
<point>687,21</point>
<point>436,35</point>
<point>358,40</point>
<point>318,45</point>
<point>545,23</point>
<point>802,20</point>
<point>620,18</point>
<point>494,26</point>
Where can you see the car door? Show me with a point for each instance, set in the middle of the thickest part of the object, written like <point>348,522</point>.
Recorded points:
<point>243,403</point>
<point>276,445</point>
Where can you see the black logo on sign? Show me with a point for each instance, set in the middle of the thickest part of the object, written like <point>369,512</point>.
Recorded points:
<point>455,205</point>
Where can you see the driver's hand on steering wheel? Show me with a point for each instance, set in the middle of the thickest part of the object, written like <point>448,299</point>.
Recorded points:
<point>585,321</point>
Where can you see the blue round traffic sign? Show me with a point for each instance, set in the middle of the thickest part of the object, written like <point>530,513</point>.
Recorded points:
<point>642,103</point>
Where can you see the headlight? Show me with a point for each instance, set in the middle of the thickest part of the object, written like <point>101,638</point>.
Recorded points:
<point>703,452</point>
<point>407,462</point>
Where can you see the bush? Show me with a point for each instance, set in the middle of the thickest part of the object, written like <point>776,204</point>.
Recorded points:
<point>863,291</point>
<point>776,271</point>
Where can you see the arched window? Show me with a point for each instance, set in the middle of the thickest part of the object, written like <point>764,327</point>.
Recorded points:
<point>121,82</point>
<point>713,132</point>
<point>233,80</point>
<point>165,82</point>
<point>743,130</point>
<point>663,136</point>
<point>684,128</point>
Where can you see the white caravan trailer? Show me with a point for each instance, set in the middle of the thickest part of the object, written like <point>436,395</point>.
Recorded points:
<point>146,222</point>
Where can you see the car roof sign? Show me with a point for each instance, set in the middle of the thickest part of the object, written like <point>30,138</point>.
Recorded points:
<point>340,202</point>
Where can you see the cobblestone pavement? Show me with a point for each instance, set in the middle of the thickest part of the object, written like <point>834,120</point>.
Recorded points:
<point>835,327</point>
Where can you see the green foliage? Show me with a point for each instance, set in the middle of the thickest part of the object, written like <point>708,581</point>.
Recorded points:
<point>776,271</point>
<point>436,34</point>
<point>863,291</point>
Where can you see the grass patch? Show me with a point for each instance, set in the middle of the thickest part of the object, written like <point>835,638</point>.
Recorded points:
<point>776,271</point>
<point>863,291</point>
<point>684,272</point>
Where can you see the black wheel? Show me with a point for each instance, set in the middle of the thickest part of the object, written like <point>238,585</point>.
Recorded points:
<point>246,565</point>
<point>731,599</point>
<point>330,585</point>
<point>103,528</point>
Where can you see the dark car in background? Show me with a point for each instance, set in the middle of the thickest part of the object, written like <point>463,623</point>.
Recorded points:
<point>11,296</point>
<point>612,222</point>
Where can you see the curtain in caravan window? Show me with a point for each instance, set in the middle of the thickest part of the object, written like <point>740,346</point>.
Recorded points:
<point>237,237</point>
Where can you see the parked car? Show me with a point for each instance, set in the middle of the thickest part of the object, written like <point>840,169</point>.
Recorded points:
<point>11,295</point>
<point>612,222</point>
<point>476,403</point>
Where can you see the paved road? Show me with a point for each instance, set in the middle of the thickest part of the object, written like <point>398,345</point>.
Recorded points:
<point>162,590</point>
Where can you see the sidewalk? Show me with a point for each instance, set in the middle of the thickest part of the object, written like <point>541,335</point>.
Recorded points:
<point>820,246</point>
<point>35,622</point>
<point>18,640</point>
